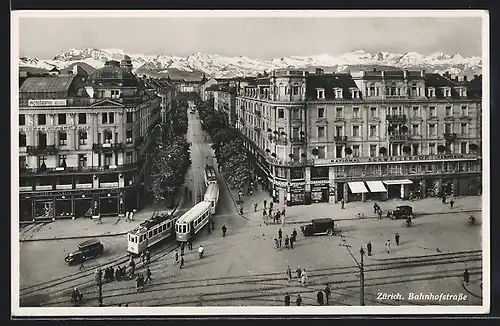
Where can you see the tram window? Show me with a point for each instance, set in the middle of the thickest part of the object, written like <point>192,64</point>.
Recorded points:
<point>150,234</point>
<point>164,226</point>
<point>184,228</point>
<point>168,225</point>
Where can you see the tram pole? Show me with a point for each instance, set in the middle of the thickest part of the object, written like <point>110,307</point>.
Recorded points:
<point>98,279</point>
<point>362,278</point>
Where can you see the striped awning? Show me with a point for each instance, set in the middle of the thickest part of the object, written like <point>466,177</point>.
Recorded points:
<point>357,187</point>
<point>376,186</point>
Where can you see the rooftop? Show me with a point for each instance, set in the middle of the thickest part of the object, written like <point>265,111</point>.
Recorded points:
<point>52,84</point>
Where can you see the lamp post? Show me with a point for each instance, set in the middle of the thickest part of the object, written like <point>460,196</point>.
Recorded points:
<point>361,270</point>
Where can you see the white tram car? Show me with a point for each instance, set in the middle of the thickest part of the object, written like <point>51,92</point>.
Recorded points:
<point>212,196</point>
<point>150,232</point>
<point>193,221</point>
<point>210,175</point>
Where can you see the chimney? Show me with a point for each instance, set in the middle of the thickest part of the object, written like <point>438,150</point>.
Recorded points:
<point>422,73</point>
<point>319,71</point>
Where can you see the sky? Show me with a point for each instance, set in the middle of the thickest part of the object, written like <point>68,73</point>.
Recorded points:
<point>254,37</point>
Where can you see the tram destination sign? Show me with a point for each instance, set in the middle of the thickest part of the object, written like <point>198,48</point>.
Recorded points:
<point>383,159</point>
<point>52,102</point>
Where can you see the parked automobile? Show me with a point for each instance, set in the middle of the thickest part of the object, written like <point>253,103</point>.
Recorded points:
<point>403,211</point>
<point>86,250</point>
<point>318,226</point>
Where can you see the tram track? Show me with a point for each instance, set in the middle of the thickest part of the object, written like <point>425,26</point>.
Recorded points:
<point>321,275</point>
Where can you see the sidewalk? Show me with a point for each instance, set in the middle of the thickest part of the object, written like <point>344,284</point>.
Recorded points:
<point>84,228</point>
<point>474,288</point>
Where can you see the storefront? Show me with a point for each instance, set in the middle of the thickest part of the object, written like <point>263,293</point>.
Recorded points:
<point>108,204</point>
<point>398,188</point>
<point>83,206</point>
<point>63,207</point>
<point>25,210</point>
<point>295,195</point>
<point>377,190</point>
<point>44,208</point>
<point>320,193</point>
<point>357,191</point>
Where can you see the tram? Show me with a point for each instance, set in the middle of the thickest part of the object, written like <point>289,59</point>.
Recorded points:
<point>210,175</point>
<point>193,221</point>
<point>212,196</point>
<point>150,232</point>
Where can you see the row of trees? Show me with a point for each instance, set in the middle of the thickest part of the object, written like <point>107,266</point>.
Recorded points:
<point>236,164</point>
<point>171,158</point>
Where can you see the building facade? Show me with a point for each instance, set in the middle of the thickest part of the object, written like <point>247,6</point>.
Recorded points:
<point>225,101</point>
<point>369,135</point>
<point>84,142</point>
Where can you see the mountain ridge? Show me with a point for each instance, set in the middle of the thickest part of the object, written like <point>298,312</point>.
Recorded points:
<point>215,65</point>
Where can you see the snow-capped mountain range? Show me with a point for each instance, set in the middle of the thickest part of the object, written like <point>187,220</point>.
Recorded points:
<point>220,66</point>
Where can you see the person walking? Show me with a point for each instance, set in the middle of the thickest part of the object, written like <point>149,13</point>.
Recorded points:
<point>291,241</point>
<point>451,203</point>
<point>182,249</point>
<point>298,302</point>
<point>148,256</point>
<point>255,206</point>
<point>148,276</point>
<point>224,229</point>
<point>287,241</point>
<point>276,243</point>
<point>319,297</point>
<point>270,212</point>
<point>287,299</point>
<point>369,248</point>
<point>131,216</point>
<point>176,257</point>
<point>342,203</point>
<point>81,263</point>
<point>132,266</point>
<point>294,234</point>
<point>280,236</point>
<point>143,256</point>
<point>182,262</point>
<point>299,273</point>
<point>271,204</point>
<point>190,244</point>
<point>127,216</point>
<point>388,246</point>
<point>375,208</point>
<point>379,214</point>
<point>265,204</point>
<point>327,293</point>
<point>288,274</point>
<point>466,277</point>
<point>396,237</point>
<point>304,277</point>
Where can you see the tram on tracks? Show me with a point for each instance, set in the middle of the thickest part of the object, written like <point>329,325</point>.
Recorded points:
<point>210,175</point>
<point>212,196</point>
<point>150,232</point>
<point>193,221</point>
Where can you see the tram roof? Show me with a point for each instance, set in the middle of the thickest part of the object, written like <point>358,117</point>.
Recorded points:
<point>194,212</point>
<point>149,223</point>
<point>211,189</point>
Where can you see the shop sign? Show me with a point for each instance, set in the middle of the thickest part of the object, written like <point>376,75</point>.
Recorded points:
<point>47,102</point>
<point>319,187</point>
<point>400,158</point>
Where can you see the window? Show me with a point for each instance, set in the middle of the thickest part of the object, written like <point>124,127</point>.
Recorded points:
<point>108,159</point>
<point>447,92</point>
<point>464,128</point>
<point>281,113</point>
<point>464,111</point>
<point>338,152</point>
<point>115,94</point>
<point>108,137</point>
<point>111,117</point>
<point>415,149</point>
<point>42,119</point>
<point>129,136</point>
<point>463,92</point>
<point>22,162</point>
<point>104,118</point>
<point>372,90</point>
<point>41,161</point>
<point>432,111</point>
<point>295,89</point>
<point>414,90</point>
<point>355,112</point>
<point>295,133</point>
<point>320,93</point>
<point>373,150</point>
<point>61,119</point>
<point>99,94</point>
<point>295,113</point>
<point>22,139</point>
<point>448,111</point>
<point>321,152</point>
<point>62,160</point>
<point>355,131</point>
<point>447,128</point>
<point>130,117</point>
<point>373,112</point>
<point>432,129</point>
<point>82,160</point>
<point>82,118</point>
<point>431,92</point>
<point>463,148</point>
<point>22,119</point>
<point>338,113</point>
<point>82,136</point>
<point>129,157</point>
<point>355,151</point>
<point>415,129</point>
<point>373,131</point>
<point>432,149</point>
<point>321,112</point>
<point>355,93</point>
<point>338,93</point>
<point>321,132</point>
<point>416,111</point>
<point>63,138</point>
<point>339,131</point>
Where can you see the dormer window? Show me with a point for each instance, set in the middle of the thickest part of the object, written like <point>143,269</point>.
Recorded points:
<point>462,92</point>
<point>354,93</point>
<point>115,94</point>
<point>338,92</point>
<point>320,93</point>
<point>431,92</point>
<point>447,92</point>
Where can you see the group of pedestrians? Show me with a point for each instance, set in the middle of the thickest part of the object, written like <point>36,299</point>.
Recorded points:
<point>129,216</point>
<point>268,215</point>
<point>369,246</point>
<point>322,297</point>
<point>289,240</point>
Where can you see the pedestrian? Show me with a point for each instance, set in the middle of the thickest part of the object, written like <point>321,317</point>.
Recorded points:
<point>342,203</point>
<point>280,234</point>
<point>182,249</point>
<point>265,204</point>
<point>176,257</point>
<point>131,216</point>
<point>369,248</point>
<point>327,293</point>
<point>190,244</point>
<point>98,276</point>
<point>451,203</point>
<point>264,214</point>
<point>148,276</point>
<point>379,214</point>
<point>304,277</point>
<point>143,256</point>
<point>375,208</point>
<point>287,300</point>
<point>255,206</point>
<point>283,211</point>
<point>287,240</point>
<point>182,262</point>
<point>289,274</point>
<point>299,272</point>
<point>443,199</point>
<point>298,302</point>
<point>271,204</point>
<point>81,263</point>
<point>466,277</point>
<point>148,256</point>
<point>131,263</point>
<point>224,229</point>
<point>388,246</point>
<point>294,234</point>
<point>241,209</point>
<point>291,242</point>
<point>213,223</point>
<point>319,297</point>
<point>118,275</point>
<point>270,212</point>
<point>126,216</point>
<point>396,237</point>
<point>276,243</point>
<point>138,283</point>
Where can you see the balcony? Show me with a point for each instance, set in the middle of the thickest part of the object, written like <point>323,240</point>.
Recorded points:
<point>396,118</point>
<point>107,147</point>
<point>37,150</point>
<point>450,137</point>
<point>108,185</point>
<point>79,169</point>
<point>298,140</point>
<point>340,139</point>
<point>398,138</point>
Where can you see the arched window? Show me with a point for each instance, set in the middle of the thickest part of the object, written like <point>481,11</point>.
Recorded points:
<point>22,139</point>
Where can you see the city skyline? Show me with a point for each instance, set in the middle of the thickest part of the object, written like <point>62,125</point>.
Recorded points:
<point>255,37</point>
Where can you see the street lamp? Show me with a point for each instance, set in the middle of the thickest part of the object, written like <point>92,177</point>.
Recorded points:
<point>361,270</point>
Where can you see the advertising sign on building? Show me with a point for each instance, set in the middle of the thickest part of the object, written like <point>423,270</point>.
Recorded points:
<point>47,102</point>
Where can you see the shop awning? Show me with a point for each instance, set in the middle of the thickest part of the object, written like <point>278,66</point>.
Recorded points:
<point>376,186</point>
<point>398,182</point>
<point>357,187</point>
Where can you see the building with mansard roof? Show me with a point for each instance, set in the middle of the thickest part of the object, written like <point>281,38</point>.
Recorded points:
<point>362,135</point>
<point>84,140</point>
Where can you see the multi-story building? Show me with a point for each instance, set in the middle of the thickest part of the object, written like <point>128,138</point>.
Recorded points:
<point>371,134</point>
<point>84,142</point>
<point>225,101</point>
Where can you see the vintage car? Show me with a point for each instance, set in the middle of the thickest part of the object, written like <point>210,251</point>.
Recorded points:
<point>318,226</point>
<point>403,211</point>
<point>86,250</point>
